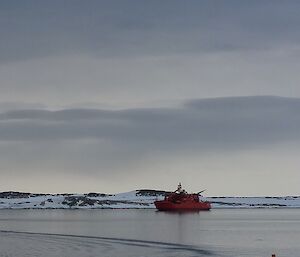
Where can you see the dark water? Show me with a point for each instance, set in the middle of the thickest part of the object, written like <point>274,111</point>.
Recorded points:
<point>132,233</point>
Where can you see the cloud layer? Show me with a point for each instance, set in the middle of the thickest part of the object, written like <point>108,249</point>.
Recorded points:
<point>125,144</point>
<point>234,121</point>
<point>99,95</point>
<point>134,53</point>
<point>127,28</point>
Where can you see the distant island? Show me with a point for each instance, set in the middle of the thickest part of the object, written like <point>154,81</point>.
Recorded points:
<point>137,199</point>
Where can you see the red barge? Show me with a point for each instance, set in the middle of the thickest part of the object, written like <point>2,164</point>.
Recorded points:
<point>180,200</point>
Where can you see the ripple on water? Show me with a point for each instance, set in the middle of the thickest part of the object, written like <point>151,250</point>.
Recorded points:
<point>27,244</point>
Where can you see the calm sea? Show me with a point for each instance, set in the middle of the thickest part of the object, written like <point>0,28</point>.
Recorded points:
<point>132,233</point>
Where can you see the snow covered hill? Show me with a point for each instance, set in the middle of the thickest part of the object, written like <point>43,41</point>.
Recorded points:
<point>138,199</point>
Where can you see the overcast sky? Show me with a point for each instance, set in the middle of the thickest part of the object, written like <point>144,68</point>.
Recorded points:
<point>111,96</point>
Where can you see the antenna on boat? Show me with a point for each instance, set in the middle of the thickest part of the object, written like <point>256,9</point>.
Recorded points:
<point>201,192</point>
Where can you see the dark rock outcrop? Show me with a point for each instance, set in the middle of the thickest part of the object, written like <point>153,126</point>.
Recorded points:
<point>149,192</point>
<point>96,195</point>
<point>11,195</point>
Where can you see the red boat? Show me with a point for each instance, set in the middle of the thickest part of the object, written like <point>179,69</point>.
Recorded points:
<point>180,200</point>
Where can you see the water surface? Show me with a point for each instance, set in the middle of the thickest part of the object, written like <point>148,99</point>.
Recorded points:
<point>112,233</point>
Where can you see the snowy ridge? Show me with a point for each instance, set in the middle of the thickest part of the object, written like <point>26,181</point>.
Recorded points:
<point>138,199</point>
<point>255,202</point>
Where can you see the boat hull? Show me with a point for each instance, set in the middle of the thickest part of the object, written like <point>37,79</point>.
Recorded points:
<point>165,205</point>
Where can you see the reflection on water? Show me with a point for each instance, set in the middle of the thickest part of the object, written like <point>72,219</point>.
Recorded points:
<point>133,233</point>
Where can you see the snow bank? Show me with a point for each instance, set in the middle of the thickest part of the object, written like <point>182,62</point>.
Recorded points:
<point>138,199</point>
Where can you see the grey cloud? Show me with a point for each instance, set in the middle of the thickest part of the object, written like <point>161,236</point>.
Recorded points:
<point>246,103</point>
<point>9,106</point>
<point>126,28</point>
<point>208,123</point>
<point>133,53</point>
<point>199,142</point>
<point>130,53</point>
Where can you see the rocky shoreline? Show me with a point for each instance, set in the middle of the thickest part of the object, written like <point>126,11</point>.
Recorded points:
<point>138,199</point>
